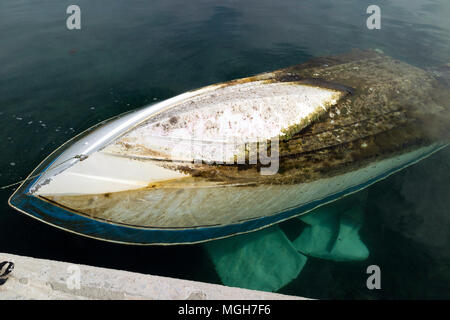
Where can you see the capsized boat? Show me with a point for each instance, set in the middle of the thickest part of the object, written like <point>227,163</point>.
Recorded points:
<point>240,156</point>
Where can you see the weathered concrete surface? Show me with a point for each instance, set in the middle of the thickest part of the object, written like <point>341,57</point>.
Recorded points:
<point>46,279</point>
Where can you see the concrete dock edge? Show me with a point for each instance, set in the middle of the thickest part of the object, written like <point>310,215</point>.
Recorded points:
<point>47,279</point>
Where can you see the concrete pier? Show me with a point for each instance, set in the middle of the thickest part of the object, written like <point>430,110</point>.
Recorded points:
<point>46,279</point>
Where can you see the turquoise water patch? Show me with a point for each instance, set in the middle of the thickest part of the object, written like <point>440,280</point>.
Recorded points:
<point>333,234</point>
<point>268,260</point>
<point>263,260</point>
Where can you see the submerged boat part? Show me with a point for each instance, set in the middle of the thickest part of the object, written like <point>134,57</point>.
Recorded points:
<point>264,260</point>
<point>268,260</point>
<point>332,233</point>
<point>242,155</point>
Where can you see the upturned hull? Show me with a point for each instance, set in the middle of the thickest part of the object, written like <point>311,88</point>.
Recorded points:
<point>190,169</point>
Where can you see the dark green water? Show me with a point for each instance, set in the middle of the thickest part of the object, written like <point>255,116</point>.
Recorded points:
<point>54,83</point>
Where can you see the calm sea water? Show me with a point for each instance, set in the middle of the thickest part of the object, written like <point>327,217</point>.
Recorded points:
<point>54,83</point>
